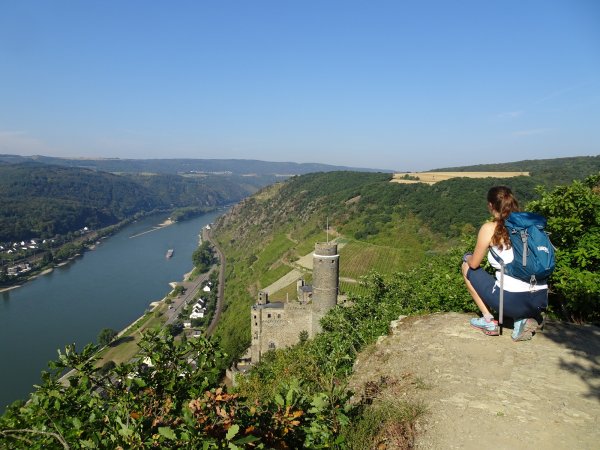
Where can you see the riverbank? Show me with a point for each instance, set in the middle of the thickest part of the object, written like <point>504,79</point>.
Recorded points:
<point>88,242</point>
<point>110,287</point>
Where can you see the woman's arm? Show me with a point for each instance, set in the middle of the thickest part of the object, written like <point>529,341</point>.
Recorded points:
<point>484,239</point>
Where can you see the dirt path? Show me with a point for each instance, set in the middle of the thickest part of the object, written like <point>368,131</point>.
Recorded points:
<point>489,392</point>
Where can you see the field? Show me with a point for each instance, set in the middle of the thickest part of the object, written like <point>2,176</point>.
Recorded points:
<point>435,177</point>
<point>358,258</point>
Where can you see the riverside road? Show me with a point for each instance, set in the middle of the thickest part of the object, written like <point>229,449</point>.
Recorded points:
<point>192,287</point>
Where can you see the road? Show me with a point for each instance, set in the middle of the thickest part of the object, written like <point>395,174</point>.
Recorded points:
<point>191,288</point>
<point>206,234</point>
<point>179,302</point>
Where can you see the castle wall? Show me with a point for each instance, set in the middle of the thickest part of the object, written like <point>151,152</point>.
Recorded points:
<point>274,328</point>
<point>278,325</point>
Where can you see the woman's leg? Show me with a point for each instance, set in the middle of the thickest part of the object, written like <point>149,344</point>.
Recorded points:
<point>478,301</point>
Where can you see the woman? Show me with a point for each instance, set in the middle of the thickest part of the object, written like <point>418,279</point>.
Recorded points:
<point>522,301</point>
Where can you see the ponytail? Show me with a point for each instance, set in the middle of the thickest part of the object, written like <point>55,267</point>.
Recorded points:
<point>503,203</point>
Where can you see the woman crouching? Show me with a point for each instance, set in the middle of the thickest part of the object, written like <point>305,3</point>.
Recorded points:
<point>523,302</point>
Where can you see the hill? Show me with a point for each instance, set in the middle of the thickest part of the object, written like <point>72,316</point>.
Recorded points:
<point>41,201</point>
<point>549,171</point>
<point>383,225</point>
<point>181,166</point>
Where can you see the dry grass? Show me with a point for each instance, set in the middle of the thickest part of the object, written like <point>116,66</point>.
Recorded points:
<point>435,177</point>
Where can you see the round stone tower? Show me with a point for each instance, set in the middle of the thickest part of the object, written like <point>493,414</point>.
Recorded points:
<point>326,269</point>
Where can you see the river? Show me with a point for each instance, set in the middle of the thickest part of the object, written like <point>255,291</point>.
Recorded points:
<point>108,287</point>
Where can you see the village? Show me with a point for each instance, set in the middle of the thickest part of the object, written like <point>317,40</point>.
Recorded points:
<point>21,257</point>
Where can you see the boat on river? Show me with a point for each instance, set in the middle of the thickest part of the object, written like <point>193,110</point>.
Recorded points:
<point>169,253</point>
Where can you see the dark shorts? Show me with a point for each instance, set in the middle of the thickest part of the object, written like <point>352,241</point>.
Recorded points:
<point>518,305</point>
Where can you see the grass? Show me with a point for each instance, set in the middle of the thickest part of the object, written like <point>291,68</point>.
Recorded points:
<point>126,347</point>
<point>307,243</point>
<point>347,288</point>
<point>273,275</point>
<point>385,424</point>
<point>290,291</point>
<point>272,253</point>
<point>357,257</point>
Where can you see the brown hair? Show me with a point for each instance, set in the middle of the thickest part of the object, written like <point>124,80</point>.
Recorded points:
<point>502,202</point>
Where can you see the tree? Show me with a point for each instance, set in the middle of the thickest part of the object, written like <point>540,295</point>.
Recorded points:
<point>573,213</point>
<point>169,397</point>
<point>203,257</point>
<point>106,336</point>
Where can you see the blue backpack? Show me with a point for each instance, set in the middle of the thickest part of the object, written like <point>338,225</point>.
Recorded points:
<point>534,254</point>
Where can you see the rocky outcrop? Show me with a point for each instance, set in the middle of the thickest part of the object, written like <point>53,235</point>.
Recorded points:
<point>490,392</point>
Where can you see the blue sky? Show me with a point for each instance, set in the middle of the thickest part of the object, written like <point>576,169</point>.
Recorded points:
<point>405,85</point>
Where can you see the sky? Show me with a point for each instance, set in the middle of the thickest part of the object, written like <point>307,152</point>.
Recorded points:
<point>401,85</point>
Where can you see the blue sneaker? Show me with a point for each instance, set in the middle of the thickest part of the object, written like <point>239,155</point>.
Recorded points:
<point>490,328</point>
<point>524,329</point>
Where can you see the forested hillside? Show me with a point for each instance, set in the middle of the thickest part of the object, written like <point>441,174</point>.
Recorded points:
<point>41,201</point>
<point>550,171</point>
<point>265,233</point>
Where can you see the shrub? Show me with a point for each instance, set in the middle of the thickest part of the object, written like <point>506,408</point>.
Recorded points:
<point>573,214</point>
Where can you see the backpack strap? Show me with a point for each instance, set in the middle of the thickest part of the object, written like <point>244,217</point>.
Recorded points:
<point>496,256</point>
<point>524,237</point>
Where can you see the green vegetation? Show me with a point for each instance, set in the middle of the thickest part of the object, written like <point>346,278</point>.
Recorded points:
<point>106,336</point>
<point>42,201</point>
<point>545,171</point>
<point>573,214</point>
<point>387,226</point>
<point>203,257</point>
<point>180,214</point>
<point>296,397</point>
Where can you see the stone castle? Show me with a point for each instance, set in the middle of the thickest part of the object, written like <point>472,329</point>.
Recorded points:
<point>279,324</point>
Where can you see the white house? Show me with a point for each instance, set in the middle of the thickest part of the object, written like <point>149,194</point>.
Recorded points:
<point>197,315</point>
<point>206,289</point>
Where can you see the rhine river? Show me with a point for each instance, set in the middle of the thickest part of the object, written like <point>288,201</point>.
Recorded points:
<point>108,287</point>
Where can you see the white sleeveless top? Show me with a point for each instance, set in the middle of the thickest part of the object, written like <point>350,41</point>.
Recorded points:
<point>511,284</point>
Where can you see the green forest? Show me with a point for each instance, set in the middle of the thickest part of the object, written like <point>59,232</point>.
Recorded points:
<point>297,397</point>
<point>42,201</point>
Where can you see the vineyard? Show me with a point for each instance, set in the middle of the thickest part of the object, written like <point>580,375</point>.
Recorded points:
<point>358,258</point>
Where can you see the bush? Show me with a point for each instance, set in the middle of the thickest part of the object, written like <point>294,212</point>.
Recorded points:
<point>573,214</point>
<point>106,336</point>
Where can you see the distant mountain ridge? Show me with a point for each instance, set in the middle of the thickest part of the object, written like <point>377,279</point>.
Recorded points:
<point>189,165</point>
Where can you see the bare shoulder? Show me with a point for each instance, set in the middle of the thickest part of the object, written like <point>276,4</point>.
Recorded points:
<point>487,229</point>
